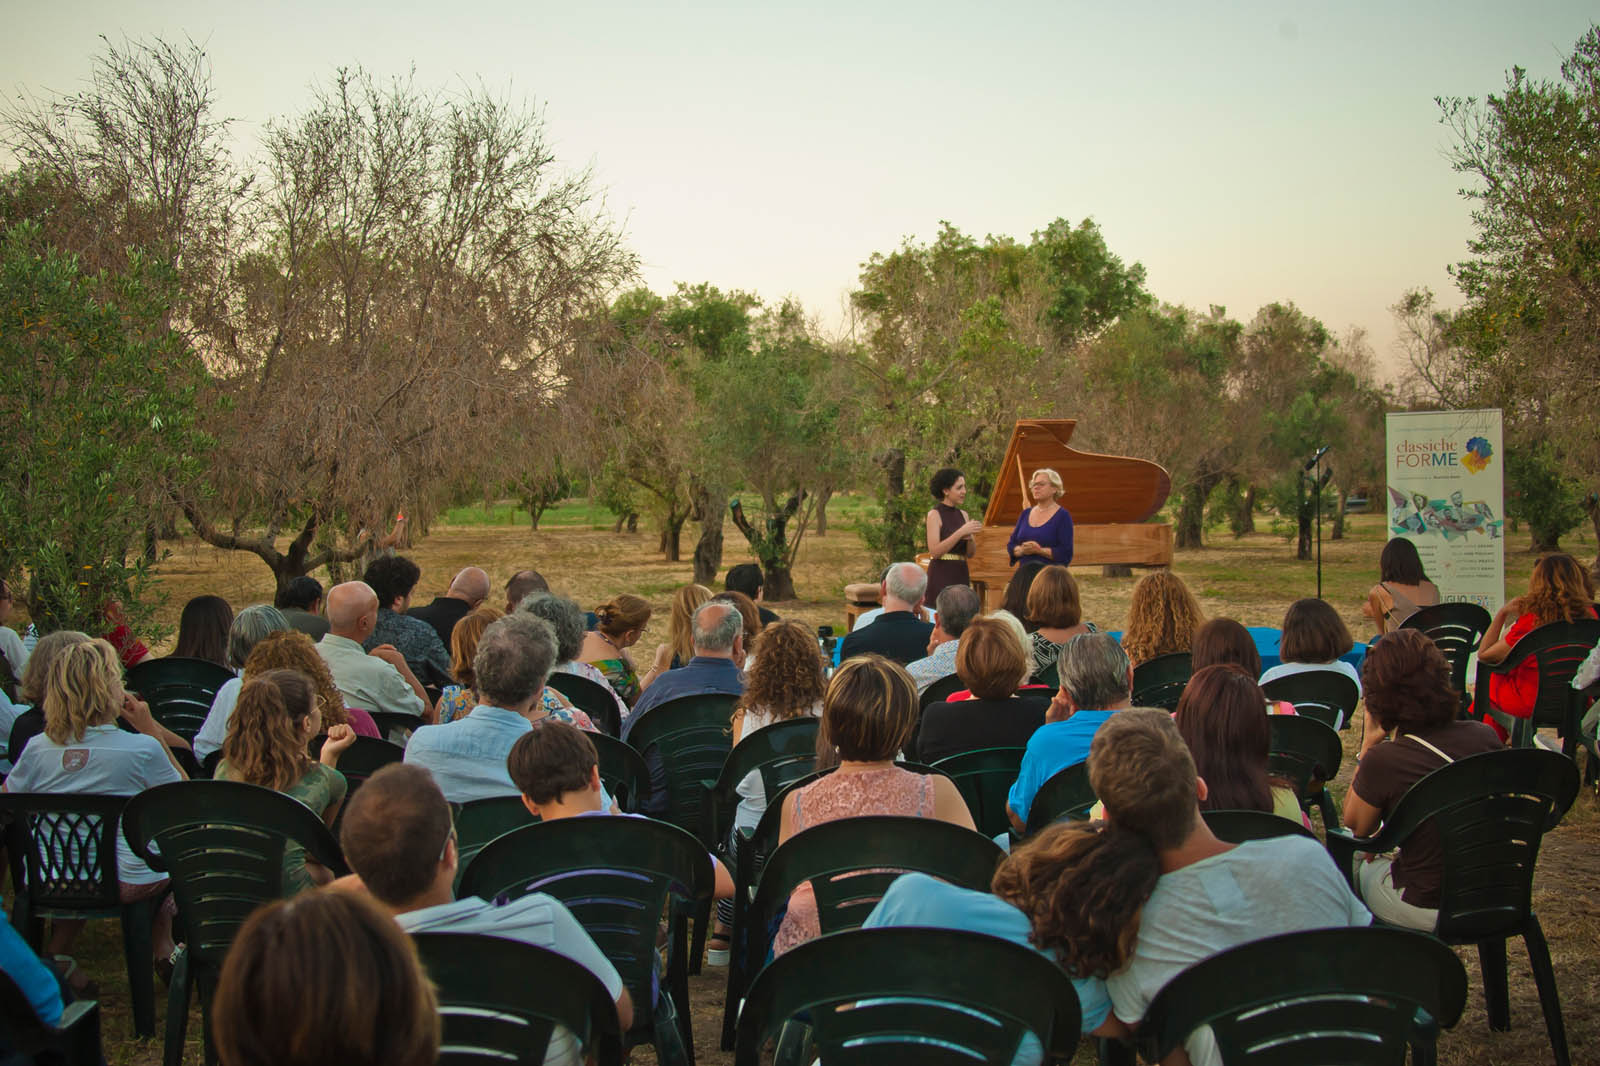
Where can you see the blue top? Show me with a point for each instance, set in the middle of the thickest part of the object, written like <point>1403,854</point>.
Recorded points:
<point>31,975</point>
<point>702,675</point>
<point>1053,747</point>
<point>921,900</point>
<point>1055,534</point>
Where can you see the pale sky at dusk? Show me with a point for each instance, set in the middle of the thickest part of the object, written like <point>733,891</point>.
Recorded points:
<point>1243,153</point>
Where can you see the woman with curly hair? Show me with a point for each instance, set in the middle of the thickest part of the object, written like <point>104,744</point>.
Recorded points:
<point>269,733</point>
<point>1162,617</point>
<point>1559,590</point>
<point>1411,731</point>
<point>457,700</point>
<point>290,649</point>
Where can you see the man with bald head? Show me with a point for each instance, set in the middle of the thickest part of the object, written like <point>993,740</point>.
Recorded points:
<point>375,681</point>
<point>467,591</point>
<point>898,633</point>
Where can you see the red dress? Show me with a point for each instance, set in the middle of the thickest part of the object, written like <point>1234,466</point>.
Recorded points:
<point>1516,693</point>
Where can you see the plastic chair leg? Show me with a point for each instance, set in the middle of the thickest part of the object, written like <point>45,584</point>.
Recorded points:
<point>673,1047</point>
<point>138,920</point>
<point>178,996</point>
<point>1496,997</point>
<point>1330,813</point>
<point>702,923</point>
<point>1115,1053</point>
<point>1544,975</point>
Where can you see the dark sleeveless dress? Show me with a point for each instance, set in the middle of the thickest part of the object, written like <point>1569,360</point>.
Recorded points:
<point>945,571</point>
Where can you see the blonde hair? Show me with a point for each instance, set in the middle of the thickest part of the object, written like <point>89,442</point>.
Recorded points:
<point>289,649</point>
<point>1162,617</point>
<point>623,613</point>
<point>30,686</point>
<point>84,688</point>
<point>680,628</point>
<point>1020,633</point>
<point>1050,476</point>
<point>464,643</point>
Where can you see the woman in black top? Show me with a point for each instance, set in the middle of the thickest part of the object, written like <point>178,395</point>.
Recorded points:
<point>949,533</point>
<point>993,663</point>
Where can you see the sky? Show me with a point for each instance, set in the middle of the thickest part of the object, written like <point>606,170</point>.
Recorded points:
<point>1243,153</point>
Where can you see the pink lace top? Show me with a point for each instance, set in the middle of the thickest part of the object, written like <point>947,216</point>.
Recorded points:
<point>846,794</point>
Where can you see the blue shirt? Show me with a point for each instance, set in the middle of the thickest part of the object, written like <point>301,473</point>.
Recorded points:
<point>1053,747</point>
<point>31,975</point>
<point>920,900</point>
<point>702,675</point>
<point>468,756</point>
<point>1055,534</point>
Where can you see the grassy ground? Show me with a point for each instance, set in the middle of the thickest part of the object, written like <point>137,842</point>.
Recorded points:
<point>1252,578</point>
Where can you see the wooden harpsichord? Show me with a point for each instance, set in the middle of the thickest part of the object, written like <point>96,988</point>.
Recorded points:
<point>1110,496</point>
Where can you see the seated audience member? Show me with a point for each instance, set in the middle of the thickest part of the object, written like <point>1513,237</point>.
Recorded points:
<point>1559,590</point>
<point>1211,896</point>
<point>719,650</point>
<point>269,736</point>
<point>958,605</point>
<point>1054,616</point>
<point>993,664</point>
<point>680,625</point>
<point>293,650</point>
<point>36,981</point>
<point>1072,892</point>
<point>203,630</point>
<point>1411,730</point>
<point>468,591</point>
<point>1587,676</point>
<point>399,841</point>
<point>523,583</point>
<point>11,648</point>
<point>29,712</point>
<point>620,622</point>
<point>1403,587</point>
<point>1020,633</point>
<point>301,604</point>
<point>746,578</point>
<point>82,751</point>
<point>1225,642</point>
<point>1221,716</point>
<point>898,633</point>
<point>747,611</point>
<point>1096,683</point>
<point>392,578</point>
<point>1162,617</point>
<point>1015,597</point>
<point>131,651</point>
<point>457,700</point>
<point>250,627</point>
<point>320,979</point>
<point>378,680</point>
<point>468,756</point>
<point>1314,638</point>
<point>566,620</point>
<point>867,714</point>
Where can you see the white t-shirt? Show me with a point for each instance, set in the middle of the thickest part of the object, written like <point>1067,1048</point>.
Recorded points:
<point>752,794</point>
<point>106,762</point>
<point>536,919</point>
<point>1256,890</point>
<point>11,647</point>
<point>214,730</point>
<point>1290,669</point>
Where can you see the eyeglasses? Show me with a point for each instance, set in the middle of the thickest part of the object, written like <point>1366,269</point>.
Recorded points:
<point>446,846</point>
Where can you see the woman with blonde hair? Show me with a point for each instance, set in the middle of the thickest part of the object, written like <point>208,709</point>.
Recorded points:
<point>289,649</point>
<point>1162,617</point>
<point>1044,531</point>
<point>457,700</point>
<point>621,622</point>
<point>680,626</point>
<point>82,750</point>
<point>29,720</point>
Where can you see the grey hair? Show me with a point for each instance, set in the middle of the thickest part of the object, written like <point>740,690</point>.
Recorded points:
<point>1020,632</point>
<point>1094,671</point>
<point>907,581</point>
<point>718,635</point>
<point>957,605</point>
<point>250,627</point>
<point>565,618</point>
<point>30,686</point>
<point>514,659</point>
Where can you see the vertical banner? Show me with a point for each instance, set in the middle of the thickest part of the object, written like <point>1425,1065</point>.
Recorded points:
<point>1447,496</point>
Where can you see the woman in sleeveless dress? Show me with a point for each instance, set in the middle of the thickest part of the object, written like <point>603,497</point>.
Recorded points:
<point>867,714</point>
<point>950,533</point>
<point>1402,589</point>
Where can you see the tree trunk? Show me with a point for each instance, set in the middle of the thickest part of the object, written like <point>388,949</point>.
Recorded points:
<point>893,462</point>
<point>710,509</point>
<point>1303,541</point>
<point>778,583</point>
<point>1338,516</point>
<point>1116,570</point>
<point>823,496</point>
<point>633,521</point>
<point>1192,511</point>
<point>672,537</point>
<point>1244,518</point>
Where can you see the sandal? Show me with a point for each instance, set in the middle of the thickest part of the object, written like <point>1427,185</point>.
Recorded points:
<point>719,949</point>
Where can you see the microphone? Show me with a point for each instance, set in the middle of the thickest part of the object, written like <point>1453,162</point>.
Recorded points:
<point>1311,462</point>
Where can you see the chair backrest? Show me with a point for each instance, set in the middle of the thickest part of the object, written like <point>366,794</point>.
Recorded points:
<point>782,753</point>
<point>1326,695</point>
<point>1065,794</point>
<point>494,1021</point>
<point>925,996</point>
<point>940,691</point>
<point>1304,750</point>
<point>614,873</point>
<point>74,1041</point>
<point>1491,811</point>
<point>68,845</point>
<point>364,758</point>
<point>1160,681</point>
<point>1456,628</point>
<point>480,821</point>
<point>394,724</point>
<point>223,844</point>
<point>1346,995</point>
<point>1237,827</point>
<point>693,736</point>
<point>179,691</point>
<point>592,699</point>
<point>622,771</point>
<point>1559,649</point>
<point>984,778</point>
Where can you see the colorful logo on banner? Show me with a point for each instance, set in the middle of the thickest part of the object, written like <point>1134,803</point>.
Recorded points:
<point>1479,452</point>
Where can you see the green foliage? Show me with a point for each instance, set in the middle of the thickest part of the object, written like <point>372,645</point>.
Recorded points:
<point>897,535</point>
<point>1540,493</point>
<point>98,396</point>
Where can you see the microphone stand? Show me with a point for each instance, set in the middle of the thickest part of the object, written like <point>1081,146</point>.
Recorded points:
<point>1316,491</point>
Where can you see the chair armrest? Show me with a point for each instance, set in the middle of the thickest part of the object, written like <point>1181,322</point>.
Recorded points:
<point>80,1028</point>
<point>710,830</point>
<point>1343,846</point>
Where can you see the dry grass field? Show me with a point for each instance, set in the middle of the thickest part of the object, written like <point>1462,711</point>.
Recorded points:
<point>1252,579</point>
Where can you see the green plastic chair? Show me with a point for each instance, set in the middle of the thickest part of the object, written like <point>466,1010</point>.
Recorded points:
<point>395,726</point>
<point>1491,812</point>
<point>1160,681</point>
<point>223,844</point>
<point>1308,753</point>
<point>984,779</point>
<point>622,771</point>
<point>1064,795</point>
<point>1050,675</point>
<point>615,874</point>
<point>1326,695</point>
<point>939,691</point>
<point>592,699</point>
<point>924,996</point>
<point>73,1041</point>
<point>1456,629</point>
<point>1349,996</point>
<point>63,851</point>
<point>1558,650</point>
<point>782,753</point>
<point>1238,827</point>
<point>480,821</point>
<point>491,1021</point>
<point>179,691</point>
